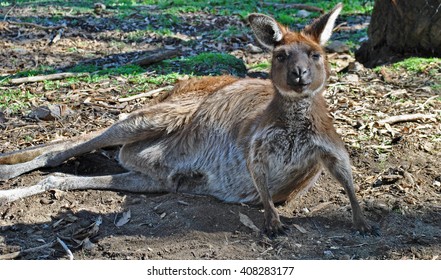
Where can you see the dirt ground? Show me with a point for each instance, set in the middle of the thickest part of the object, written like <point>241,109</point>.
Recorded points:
<point>396,165</point>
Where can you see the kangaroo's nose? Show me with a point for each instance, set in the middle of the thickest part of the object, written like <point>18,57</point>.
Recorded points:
<point>300,72</point>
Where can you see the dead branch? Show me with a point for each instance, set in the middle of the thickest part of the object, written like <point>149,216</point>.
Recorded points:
<point>34,25</point>
<point>15,255</point>
<point>145,94</point>
<point>295,6</point>
<point>406,118</point>
<point>156,57</point>
<point>57,76</point>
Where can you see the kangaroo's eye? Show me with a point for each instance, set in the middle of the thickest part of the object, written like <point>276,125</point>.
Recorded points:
<point>316,56</point>
<point>281,57</point>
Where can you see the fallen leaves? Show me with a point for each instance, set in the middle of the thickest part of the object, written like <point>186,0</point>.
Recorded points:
<point>246,221</point>
<point>125,218</point>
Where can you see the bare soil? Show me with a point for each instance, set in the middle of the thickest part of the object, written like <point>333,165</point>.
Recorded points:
<point>397,166</point>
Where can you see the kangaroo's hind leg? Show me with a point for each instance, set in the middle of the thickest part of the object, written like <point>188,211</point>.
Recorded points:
<point>30,153</point>
<point>143,124</point>
<point>130,182</point>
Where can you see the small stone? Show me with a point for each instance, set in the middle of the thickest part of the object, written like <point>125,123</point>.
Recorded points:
<point>303,14</point>
<point>50,112</point>
<point>46,201</point>
<point>428,147</point>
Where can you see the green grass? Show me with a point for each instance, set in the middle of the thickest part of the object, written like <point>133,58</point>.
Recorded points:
<point>417,65</point>
<point>40,70</point>
<point>138,79</point>
<point>139,35</point>
<point>220,7</point>
<point>261,66</point>
<point>15,100</point>
<point>221,34</point>
<point>204,64</point>
<point>414,66</point>
<point>165,73</point>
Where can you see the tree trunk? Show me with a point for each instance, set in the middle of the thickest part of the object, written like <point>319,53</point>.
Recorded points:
<point>402,28</point>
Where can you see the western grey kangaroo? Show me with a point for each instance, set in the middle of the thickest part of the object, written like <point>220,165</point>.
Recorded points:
<point>239,140</point>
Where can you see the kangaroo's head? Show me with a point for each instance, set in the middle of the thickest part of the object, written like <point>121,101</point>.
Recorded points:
<point>299,66</point>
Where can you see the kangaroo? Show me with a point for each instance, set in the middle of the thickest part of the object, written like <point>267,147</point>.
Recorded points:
<point>239,140</point>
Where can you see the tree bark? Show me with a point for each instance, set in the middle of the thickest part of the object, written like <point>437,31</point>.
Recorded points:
<point>402,28</point>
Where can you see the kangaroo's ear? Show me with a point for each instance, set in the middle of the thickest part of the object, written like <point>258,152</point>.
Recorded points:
<point>267,30</point>
<point>321,29</point>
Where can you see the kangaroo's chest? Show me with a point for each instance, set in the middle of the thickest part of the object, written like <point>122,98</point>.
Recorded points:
<point>286,151</point>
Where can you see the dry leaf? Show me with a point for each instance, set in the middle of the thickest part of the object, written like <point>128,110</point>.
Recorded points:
<point>126,216</point>
<point>57,223</point>
<point>70,218</point>
<point>87,244</point>
<point>89,231</point>
<point>300,228</point>
<point>246,221</point>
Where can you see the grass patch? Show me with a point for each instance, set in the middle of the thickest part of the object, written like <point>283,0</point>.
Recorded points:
<point>203,64</point>
<point>418,65</point>
<point>140,35</point>
<point>15,100</point>
<point>40,70</point>
<point>261,66</point>
<point>428,68</point>
<point>170,8</point>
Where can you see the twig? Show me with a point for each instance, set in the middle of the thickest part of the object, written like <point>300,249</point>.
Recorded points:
<point>7,13</point>
<point>15,255</point>
<point>405,118</point>
<point>50,77</point>
<point>145,94</point>
<point>69,253</point>
<point>295,6</point>
<point>360,245</point>
<point>156,57</point>
<point>382,147</point>
<point>36,25</point>
<point>428,100</point>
